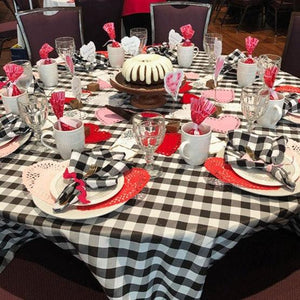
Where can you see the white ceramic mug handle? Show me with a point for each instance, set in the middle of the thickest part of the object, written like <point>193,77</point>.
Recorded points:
<point>45,133</point>
<point>181,149</point>
<point>197,51</point>
<point>276,115</point>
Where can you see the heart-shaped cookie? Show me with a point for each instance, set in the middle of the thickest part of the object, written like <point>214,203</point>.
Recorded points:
<point>130,45</point>
<point>220,95</point>
<point>223,124</point>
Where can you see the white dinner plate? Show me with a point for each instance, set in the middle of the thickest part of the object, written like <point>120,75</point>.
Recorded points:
<point>58,183</point>
<point>4,142</point>
<point>265,178</point>
<point>74,214</point>
<point>14,144</point>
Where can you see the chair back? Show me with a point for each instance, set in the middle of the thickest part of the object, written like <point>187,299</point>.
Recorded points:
<point>95,14</point>
<point>44,25</point>
<point>26,4</point>
<point>172,15</point>
<point>290,56</point>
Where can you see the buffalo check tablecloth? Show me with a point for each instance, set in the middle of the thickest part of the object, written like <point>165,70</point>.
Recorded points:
<point>160,244</point>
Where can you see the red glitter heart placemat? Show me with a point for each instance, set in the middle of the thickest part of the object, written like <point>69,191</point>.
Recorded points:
<point>287,89</point>
<point>94,134</point>
<point>217,167</point>
<point>170,144</point>
<point>134,181</point>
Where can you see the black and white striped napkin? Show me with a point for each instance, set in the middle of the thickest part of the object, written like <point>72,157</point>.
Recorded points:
<point>12,126</point>
<point>164,50</point>
<point>248,150</point>
<point>291,104</point>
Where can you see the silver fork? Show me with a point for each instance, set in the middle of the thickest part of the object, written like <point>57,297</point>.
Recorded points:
<point>67,196</point>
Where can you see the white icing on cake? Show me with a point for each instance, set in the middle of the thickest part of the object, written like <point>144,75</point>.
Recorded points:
<point>146,69</point>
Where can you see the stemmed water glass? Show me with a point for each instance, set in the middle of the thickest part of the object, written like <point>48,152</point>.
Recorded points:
<point>24,81</point>
<point>142,34</point>
<point>34,113</point>
<point>65,46</point>
<point>213,47</point>
<point>149,130</point>
<point>254,102</point>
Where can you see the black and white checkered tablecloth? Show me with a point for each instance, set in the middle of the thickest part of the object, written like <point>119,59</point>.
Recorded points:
<point>160,244</point>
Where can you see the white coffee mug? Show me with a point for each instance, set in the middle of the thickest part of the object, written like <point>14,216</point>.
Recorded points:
<point>194,149</point>
<point>48,72</point>
<point>186,54</point>
<point>11,102</point>
<point>66,141</point>
<point>273,113</point>
<point>246,73</point>
<point>116,56</point>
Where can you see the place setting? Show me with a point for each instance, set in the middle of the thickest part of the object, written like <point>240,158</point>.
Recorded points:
<point>89,184</point>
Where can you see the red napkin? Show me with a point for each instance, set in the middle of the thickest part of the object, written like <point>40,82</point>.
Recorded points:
<point>95,134</point>
<point>110,29</point>
<point>44,53</point>
<point>269,78</point>
<point>13,72</point>
<point>223,171</point>
<point>170,144</point>
<point>251,44</point>
<point>186,87</point>
<point>186,98</point>
<point>187,33</point>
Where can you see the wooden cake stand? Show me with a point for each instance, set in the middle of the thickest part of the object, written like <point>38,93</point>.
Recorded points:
<point>145,97</point>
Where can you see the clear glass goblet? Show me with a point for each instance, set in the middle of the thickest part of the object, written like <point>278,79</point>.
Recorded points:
<point>142,34</point>
<point>25,80</point>
<point>149,131</point>
<point>254,102</point>
<point>267,61</point>
<point>65,46</point>
<point>34,113</point>
<point>213,47</point>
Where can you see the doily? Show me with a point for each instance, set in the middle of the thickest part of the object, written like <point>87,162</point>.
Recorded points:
<point>217,167</point>
<point>223,123</point>
<point>37,178</point>
<point>294,146</point>
<point>134,181</point>
<point>170,144</point>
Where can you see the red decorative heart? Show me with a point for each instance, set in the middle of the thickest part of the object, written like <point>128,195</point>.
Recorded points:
<point>223,124</point>
<point>95,134</point>
<point>223,171</point>
<point>186,98</point>
<point>185,88</point>
<point>170,144</point>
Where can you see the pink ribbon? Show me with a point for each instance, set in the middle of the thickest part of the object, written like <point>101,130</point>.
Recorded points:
<point>81,187</point>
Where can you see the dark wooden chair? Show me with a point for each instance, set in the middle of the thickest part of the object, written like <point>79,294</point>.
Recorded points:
<point>290,56</point>
<point>26,4</point>
<point>245,6</point>
<point>38,28</point>
<point>276,8</point>
<point>172,15</point>
<point>95,14</point>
